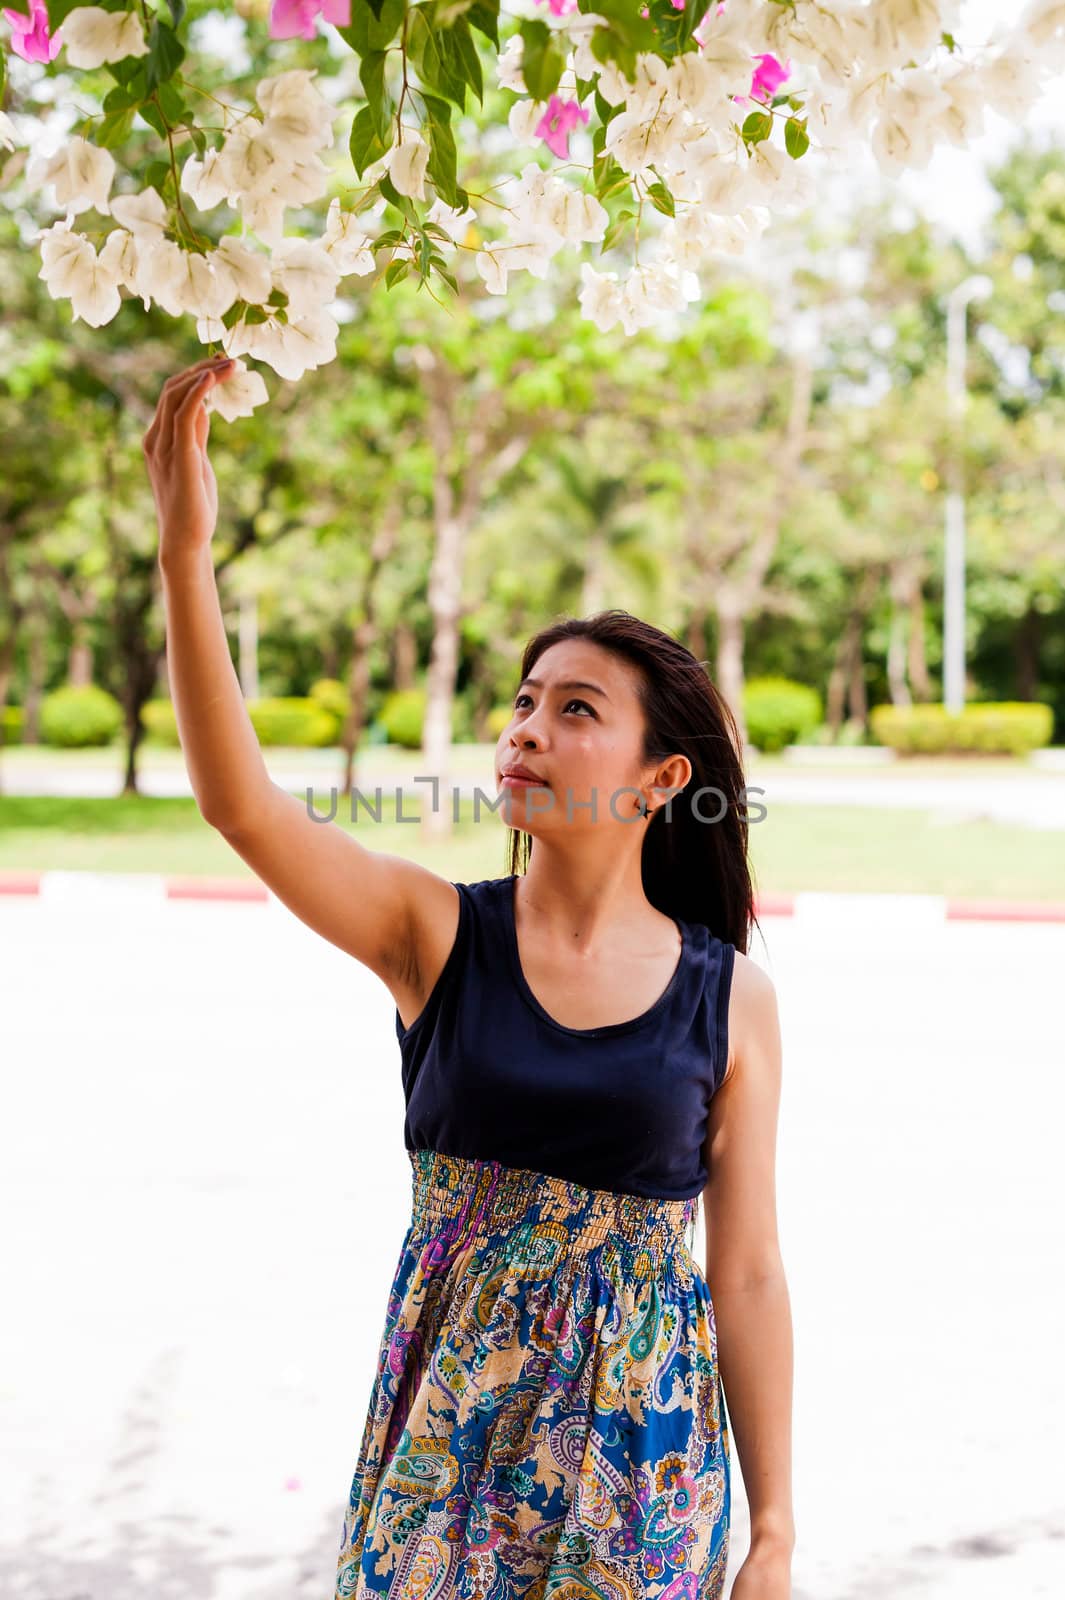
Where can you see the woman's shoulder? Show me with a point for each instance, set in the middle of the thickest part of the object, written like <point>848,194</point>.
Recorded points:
<point>753,1013</point>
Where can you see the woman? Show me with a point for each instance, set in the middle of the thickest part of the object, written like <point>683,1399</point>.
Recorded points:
<point>580,1063</point>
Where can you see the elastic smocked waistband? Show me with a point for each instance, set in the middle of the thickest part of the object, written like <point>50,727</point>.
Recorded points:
<point>472,1198</point>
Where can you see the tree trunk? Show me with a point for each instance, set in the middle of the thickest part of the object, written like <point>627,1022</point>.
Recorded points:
<point>248,645</point>
<point>1026,643</point>
<point>404,655</point>
<point>920,679</point>
<point>731,635</point>
<point>80,663</point>
<point>363,638</point>
<point>36,636</point>
<point>900,587</point>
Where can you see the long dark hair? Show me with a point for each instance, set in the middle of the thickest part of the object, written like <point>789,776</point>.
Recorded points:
<point>693,869</point>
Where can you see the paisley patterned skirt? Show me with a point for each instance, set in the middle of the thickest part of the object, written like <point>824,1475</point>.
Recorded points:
<point>547,1417</point>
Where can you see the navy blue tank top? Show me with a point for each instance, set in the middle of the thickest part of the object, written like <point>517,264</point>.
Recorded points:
<point>488,1074</point>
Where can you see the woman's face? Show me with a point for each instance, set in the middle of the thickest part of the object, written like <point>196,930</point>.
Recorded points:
<point>578,726</point>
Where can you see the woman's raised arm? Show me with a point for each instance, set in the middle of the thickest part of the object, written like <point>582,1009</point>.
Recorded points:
<point>385,911</point>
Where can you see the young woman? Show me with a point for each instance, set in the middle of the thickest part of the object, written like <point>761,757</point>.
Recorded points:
<point>586,1049</point>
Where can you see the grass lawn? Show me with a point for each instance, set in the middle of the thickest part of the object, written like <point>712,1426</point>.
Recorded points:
<point>825,848</point>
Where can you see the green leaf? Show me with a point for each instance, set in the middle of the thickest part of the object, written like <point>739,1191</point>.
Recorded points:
<point>177,11</point>
<point>157,175</point>
<point>172,104</point>
<point>395,271</point>
<point>114,128</point>
<point>199,140</point>
<point>442,155</point>
<point>661,199</point>
<point>118,98</point>
<point>387,240</point>
<point>758,126</point>
<point>165,54</point>
<point>422,46</point>
<point>392,194</point>
<point>616,228</point>
<point>153,117</point>
<point>542,61</point>
<point>364,146</point>
<point>484,16</point>
<point>372,74</point>
<point>464,56</point>
<point>796,138</point>
<point>369,30</point>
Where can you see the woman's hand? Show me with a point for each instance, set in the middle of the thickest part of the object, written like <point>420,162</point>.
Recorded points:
<point>765,1575</point>
<point>175,449</point>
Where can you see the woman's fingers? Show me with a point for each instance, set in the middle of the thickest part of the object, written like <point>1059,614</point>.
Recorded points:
<point>189,409</point>
<point>173,393</point>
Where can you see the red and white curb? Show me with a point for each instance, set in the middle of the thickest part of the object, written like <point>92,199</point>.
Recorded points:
<point>74,887</point>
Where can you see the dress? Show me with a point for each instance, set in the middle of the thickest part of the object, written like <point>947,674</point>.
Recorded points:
<point>547,1417</point>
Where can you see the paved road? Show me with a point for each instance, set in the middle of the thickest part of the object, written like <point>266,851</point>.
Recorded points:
<point>204,1185</point>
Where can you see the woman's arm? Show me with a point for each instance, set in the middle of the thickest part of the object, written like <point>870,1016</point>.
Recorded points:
<point>745,1272</point>
<point>372,904</point>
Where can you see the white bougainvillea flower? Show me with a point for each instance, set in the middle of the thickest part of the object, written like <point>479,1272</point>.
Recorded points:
<point>251,157</point>
<point>523,119</point>
<point>454,223</point>
<point>236,393</point>
<point>307,274</point>
<point>205,181</point>
<point>907,128</point>
<point>600,298</point>
<point>899,30</point>
<point>71,270</point>
<point>407,163</point>
<point>646,292</point>
<point>201,288</point>
<point>62,253</point>
<point>508,64</point>
<point>82,174</point>
<point>303,182</point>
<point>160,270</point>
<point>121,255</point>
<point>291,348</point>
<point>345,242</point>
<point>492,267</point>
<point>93,36</point>
<point>144,214</point>
<point>9,139</point>
<point>1011,80</point>
<point>963,117</point>
<point>248,268</point>
<point>296,112</point>
<point>1044,21</point>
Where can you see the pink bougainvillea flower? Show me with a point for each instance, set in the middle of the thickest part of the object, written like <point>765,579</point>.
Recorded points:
<point>557,122</point>
<point>768,76</point>
<point>29,35</point>
<point>290,19</point>
<point>560,8</point>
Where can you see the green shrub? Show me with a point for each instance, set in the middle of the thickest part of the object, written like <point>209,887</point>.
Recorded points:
<point>76,718</point>
<point>291,720</point>
<point>1008,727</point>
<point>159,722</point>
<point>403,715</point>
<point>12,718</point>
<point>779,712</point>
<point>332,696</point>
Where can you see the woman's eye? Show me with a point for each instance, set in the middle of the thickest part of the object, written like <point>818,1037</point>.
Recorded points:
<point>519,698</point>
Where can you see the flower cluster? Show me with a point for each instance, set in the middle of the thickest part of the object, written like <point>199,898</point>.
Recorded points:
<point>696,129</point>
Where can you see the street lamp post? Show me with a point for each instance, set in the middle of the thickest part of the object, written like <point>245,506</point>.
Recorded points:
<point>977,287</point>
